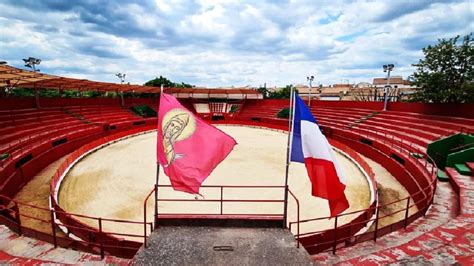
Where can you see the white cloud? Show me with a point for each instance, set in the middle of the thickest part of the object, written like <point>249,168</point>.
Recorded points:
<point>222,43</point>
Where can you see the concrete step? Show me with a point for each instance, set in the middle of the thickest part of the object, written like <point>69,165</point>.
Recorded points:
<point>194,245</point>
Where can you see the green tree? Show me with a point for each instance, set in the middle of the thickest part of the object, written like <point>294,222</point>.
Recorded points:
<point>282,93</point>
<point>264,91</point>
<point>23,92</point>
<point>156,82</point>
<point>446,73</point>
<point>71,94</point>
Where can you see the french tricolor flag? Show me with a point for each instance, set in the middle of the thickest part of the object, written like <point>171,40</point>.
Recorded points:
<point>310,146</point>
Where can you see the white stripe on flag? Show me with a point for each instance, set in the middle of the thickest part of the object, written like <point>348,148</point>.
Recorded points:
<point>315,145</point>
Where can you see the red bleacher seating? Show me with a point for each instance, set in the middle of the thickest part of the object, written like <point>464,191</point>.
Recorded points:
<point>112,115</point>
<point>414,130</point>
<point>26,134</point>
<point>24,131</point>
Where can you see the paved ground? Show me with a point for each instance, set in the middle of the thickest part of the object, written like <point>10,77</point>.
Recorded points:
<point>22,250</point>
<point>442,211</point>
<point>193,245</point>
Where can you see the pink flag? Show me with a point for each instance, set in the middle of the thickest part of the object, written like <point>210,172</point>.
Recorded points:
<point>188,148</point>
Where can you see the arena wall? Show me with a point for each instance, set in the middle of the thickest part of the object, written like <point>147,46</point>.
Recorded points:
<point>445,109</point>
<point>413,176</point>
<point>111,242</point>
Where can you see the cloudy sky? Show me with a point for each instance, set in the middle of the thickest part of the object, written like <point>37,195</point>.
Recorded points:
<point>223,43</point>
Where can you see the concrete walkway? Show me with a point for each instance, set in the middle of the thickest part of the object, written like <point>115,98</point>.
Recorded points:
<point>195,245</point>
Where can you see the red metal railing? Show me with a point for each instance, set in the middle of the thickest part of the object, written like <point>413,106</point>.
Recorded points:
<point>80,225</point>
<point>297,217</point>
<point>320,240</point>
<point>106,239</point>
<point>222,199</point>
<point>97,240</point>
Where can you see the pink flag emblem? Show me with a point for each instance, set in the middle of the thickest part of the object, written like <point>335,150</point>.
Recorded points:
<point>189,149</point>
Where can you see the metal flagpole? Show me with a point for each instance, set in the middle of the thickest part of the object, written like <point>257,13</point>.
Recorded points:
<point>290,129</point>
<point>157,170</point>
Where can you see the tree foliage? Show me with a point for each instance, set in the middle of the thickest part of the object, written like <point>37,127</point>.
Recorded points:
<point>54,93</point>
<point>156,82</point>
<point>281,93</point>
<point>264,91</point>
<point>446,74</point>
<point>284,113</point>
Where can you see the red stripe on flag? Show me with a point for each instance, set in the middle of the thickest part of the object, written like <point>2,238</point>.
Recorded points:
<point>326,184</point>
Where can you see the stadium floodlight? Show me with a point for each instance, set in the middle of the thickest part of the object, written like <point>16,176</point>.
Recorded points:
<point>31,62</point>
<point>310,80</point>
<point>121,76</point>
<point>387,68</point>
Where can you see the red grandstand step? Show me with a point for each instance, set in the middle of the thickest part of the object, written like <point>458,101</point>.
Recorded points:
<point>14,260</point>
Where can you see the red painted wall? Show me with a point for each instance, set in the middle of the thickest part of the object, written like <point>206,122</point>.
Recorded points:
<point>445,109</point>
<point>460,110</point>
<point>61,102</point>
<point>137,101</point>
<point>16,103</point>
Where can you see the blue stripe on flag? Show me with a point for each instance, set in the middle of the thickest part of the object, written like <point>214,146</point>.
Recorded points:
<point>301,113</point>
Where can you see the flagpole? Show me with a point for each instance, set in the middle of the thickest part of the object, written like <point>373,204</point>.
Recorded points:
<point>287,169</point>
<point>157,171</point>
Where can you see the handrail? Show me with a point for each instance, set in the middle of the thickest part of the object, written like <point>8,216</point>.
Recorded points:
<point>400,145</point>
<point>396,144</point>
<point>221,198</point>
<point>428,197</point>
<point>70,221</point>
<point>144,215</point>
<point>117,248</point>
<point>297,217</point>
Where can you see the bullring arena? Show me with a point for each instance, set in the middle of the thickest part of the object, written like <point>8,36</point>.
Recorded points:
<point>78,178</point>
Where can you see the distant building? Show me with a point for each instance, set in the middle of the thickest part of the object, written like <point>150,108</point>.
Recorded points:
<point>396,82</point>
<point>334,92</point>
<point>362,91</point>
<point>399,89</point>
<point>362,85</point>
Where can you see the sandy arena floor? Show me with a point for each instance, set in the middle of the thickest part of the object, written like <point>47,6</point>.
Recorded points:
<point>113,182</point>
<point>390,190</point>
<point>36,193</point>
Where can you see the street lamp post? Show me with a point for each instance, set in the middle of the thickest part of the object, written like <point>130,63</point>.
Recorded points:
<point>310,80</point>
<point>387,68</point>
<point>31,62</point>
<point>121,76</point>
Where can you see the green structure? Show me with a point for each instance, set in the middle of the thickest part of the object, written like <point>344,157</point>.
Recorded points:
<point>453,151</point>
